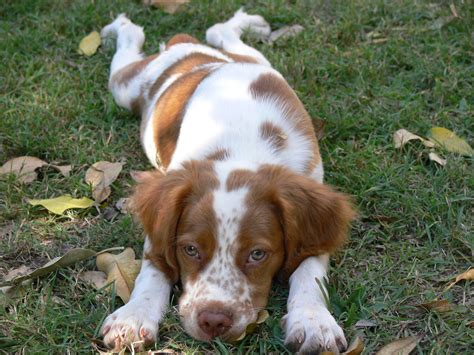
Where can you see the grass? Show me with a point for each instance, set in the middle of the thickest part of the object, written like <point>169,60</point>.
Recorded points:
<point>368,67</point>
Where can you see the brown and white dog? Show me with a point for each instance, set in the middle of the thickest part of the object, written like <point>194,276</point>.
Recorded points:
<point>239,198</point>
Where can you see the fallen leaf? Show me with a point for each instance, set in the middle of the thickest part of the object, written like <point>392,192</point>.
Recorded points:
<point>23,167</point>
<point>98,279</point>
<point>9,293</point>
<point>101,175</point>
<point>402,136</point>
<point>63,169</point>
<point>71,257</point>
<point>436,158</point>
<point>437,305</point>
<point>285,32</point>
<point>467,275</point>
<point>448,140</point>
<point>403,346</point>
<point>122,269</point>
<point>168,6</point>
<point>355,348</point>
<point>261,317</point>
<point>89,44</point>
<point>60,204</point>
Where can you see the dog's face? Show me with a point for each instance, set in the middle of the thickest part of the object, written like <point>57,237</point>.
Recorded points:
<point>225,237</point>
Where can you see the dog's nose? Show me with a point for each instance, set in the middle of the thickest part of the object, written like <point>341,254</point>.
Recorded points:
<point>214,323</point>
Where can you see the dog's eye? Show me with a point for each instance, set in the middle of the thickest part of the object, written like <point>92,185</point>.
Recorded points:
<point>191,251</point>
<point>256,255</point>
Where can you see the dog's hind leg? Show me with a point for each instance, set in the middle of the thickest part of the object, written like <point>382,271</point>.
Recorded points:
<point>128,63</point>
<point>227,35</point>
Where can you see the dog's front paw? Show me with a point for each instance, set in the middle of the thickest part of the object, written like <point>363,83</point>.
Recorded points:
<point>312,331</point>
<point>130,325</point>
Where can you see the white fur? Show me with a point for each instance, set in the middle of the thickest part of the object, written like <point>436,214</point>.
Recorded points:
<point>138,320</point>
<point>308,323</point>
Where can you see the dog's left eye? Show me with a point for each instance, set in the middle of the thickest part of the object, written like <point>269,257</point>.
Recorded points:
<point>256,255</point>
<point>191,251</point>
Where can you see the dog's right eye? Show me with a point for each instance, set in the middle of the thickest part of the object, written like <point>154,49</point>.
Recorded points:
<point>192,251</point>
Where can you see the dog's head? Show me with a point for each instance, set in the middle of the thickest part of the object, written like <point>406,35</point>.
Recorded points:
<point>225,233</point>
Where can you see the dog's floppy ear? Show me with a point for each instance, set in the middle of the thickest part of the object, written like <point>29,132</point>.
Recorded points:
<point>159,201</point>
<point>315,219</point>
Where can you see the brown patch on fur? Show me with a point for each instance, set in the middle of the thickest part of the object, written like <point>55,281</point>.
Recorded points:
<point>219,154</point>
<point>160,201</point>
<point>239,178</point>
<point>270,86</point>
<point>169,111</point>
<point>274,135</point>
<point>127,73</point>
<point>315,219</point>
<point>181,38</point>
<point>184,65</point>
<point>239,58</point>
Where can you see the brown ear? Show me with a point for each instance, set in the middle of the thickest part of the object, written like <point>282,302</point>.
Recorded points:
<point>315,219</point>
<point>159,201</point>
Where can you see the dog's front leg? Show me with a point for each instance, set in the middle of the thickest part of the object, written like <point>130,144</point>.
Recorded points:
<point>137,321</point>
<point>309,327</point>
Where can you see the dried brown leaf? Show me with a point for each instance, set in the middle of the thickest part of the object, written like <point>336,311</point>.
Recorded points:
<point>168,6</point>
<point>285,32</point>
<point>23,167</point>
<point>63,169</point>
<point>122,269</point>
<point>101,175</point>
<point>402,136</point>
<point>436,158</point>
<point>355,348</point>
<point>403,346</point>
<point>437,305</point>
<point>467,275</point>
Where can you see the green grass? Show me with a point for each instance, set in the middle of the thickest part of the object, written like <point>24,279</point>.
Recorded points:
<point>415,226</point>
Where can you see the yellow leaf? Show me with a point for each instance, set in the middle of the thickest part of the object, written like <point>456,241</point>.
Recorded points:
<point>122,269</point>
<point>402,136</point>
<point>23,167</point>
<point>438,305</point>
<point>467,275</point>
<point>60,204</point>
<point>101,175</point>
<point>168,6</point>
<point>262,316</point>
<point>403,346</point>
<point>89,44</point>
<point>355,348</point>
<point>450,141</point>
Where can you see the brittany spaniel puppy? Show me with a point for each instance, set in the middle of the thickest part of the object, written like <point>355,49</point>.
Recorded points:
<point>237,197</point>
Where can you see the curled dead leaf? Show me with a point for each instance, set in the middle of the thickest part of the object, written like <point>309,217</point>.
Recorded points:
<point>63,169</point>
<point>168,6</point>
<point>23,167</point>
<point>122,269</point>
<point>101,175</point>
<point>436,158</point>
<point>71,257</point>
<point>89,44</point>
<point>402,136</point>
<point>62,203</point>
<point>403,346</point>
<point>355,348</point>
<point>437,305</point>
<point>467,275</point>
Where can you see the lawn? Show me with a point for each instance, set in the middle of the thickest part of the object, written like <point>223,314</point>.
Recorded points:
<point>367,67</point>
